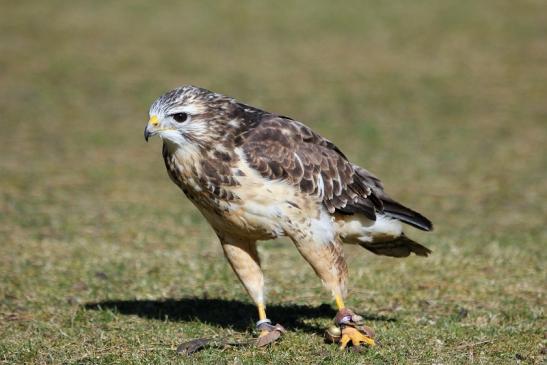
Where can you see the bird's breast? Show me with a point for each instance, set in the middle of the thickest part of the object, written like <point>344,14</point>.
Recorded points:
<point>236,198</point>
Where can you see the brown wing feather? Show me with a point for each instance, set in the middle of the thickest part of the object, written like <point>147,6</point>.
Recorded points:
<point>281,148</point>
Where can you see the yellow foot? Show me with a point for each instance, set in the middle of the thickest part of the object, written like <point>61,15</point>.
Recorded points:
<point>356,337</point>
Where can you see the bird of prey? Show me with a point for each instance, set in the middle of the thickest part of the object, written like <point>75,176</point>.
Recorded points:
<point>256,175</point>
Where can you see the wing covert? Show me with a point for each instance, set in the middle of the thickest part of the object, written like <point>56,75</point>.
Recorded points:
<point>283,149</point>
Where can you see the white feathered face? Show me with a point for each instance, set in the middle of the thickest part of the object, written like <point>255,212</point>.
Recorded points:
<point>186,115</point>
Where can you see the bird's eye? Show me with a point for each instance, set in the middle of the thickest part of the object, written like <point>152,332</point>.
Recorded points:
<point>180,117</point>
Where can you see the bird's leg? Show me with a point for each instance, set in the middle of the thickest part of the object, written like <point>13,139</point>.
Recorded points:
<point>339,302</point>
<point>268,332</point>
<point>326,255</point>
<point>243,257</point>
<point>327,260</point>
<point>262,318</point>
<point>261,312</point>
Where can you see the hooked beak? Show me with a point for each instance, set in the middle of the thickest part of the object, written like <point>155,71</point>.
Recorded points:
<point>150,129</point>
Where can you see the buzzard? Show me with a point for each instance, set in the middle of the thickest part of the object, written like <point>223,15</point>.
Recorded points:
<point>256,175</point>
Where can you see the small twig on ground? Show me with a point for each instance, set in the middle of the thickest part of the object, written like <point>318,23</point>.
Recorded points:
<point>473,344</point>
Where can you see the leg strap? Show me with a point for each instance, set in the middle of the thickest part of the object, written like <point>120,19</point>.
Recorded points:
<point>263,324</point>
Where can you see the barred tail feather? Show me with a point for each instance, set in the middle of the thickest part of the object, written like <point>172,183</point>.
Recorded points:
<point>402,246</point>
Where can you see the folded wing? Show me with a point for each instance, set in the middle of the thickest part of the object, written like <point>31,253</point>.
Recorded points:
<point>280,148</point>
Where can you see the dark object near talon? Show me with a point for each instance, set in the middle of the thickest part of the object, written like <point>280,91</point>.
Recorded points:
<point>189,347</point>
<point>272,333</point>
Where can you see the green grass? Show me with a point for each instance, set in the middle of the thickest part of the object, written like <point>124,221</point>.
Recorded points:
<point>103,261</point>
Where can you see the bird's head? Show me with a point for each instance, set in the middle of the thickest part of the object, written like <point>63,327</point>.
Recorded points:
<point>188,115</point>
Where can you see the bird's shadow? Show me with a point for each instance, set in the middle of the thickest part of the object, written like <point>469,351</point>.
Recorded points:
<point>224,313</point>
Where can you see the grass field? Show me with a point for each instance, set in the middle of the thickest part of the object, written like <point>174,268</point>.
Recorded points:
<point>103,261</point>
